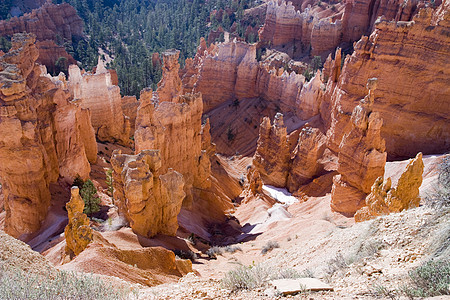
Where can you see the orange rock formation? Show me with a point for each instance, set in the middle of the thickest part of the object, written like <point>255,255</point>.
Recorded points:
<point>318,28</point>
<point>50,23</point>
<point>149,197</point>
<point>271,158</point>
<point>171,122</point>
<point>97,93</point>
<point>384,199</point>
<point>44,136</point>
<point>78,234</point>
<point>414,109</point>
<point>361,157</point>
<point>305,159</point>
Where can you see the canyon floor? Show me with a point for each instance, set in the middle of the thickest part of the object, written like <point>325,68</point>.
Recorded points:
<point>360,261</point>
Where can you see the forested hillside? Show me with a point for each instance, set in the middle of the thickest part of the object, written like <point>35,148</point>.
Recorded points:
<point>130,31</point>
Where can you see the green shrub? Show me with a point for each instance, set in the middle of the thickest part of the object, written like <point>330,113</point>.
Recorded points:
<point>109,182</point>
<point>429,280</point>
<point>246,277</point>
<point>91,200</point>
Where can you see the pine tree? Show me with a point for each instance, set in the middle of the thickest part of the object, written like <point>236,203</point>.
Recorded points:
<point>91,200</point>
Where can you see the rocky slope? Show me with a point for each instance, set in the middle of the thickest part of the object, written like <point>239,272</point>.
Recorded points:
<point>41,126</point>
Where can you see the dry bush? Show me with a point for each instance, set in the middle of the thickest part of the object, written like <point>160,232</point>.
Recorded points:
<point>269,246</point>
<point>18,284</point>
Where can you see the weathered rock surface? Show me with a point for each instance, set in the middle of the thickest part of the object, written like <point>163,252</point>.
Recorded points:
<point>170,122</point>
<point>272,157</point>
<point>385,199</point>
<point>51,24</point>
<point>230,71</point>
<point>46,23</point>
<point>403,56</point>
<point>305,163</point>
<point>361,157</point>
<point>294,286</point>
<point>78,234</point>
<point>149,198</point>
<point>44,136</point>
<point>129,107</point>
<point>97,93</point>
<point>318,28</point>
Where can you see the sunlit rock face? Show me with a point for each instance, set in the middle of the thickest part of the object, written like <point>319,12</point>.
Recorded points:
<point>96,92</point>
<point>361,157</point>
<point>317,28</point>
<point>149,199</point>
<point>44,136</point>
<point>412,94</point>
<point>78,234</point>
<point>384,199</point>
<point>51,24</point>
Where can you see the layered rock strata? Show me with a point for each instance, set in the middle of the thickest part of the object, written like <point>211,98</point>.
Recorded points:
<point>361,157</point>
<point>271,158</point>
<point>403,56</point>
<point>78,233</point>
<point>96,92</point>
<point>170,121</point>
<point>52,24</point>
<point>305,163</point>
<point>148,197</point>
<point>318,28</point>
<point>44,136</point>
<point>286,161</point>
<point>385,199</point>
<point>230,71</point>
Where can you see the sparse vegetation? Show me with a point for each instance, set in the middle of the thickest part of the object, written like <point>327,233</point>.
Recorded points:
<point>230,134</point>
<point>185,254</point>
<point>91,200</point>
<point>254,276</point>
<point>335,264</point>
<point>78,181</point>
<point>109,182</point>
<point>429,280</point>
<point>440,195</point>
<point>216,250</point>
<point>18,284</point>
<point>232,249</point>
<point>269,246</point>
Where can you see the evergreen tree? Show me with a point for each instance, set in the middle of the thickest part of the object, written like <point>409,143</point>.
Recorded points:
<point>91,200</point>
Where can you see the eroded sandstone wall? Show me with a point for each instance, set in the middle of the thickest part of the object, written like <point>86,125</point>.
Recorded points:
<point>318,28</point>
<point>96,92</point>
<point>51,24</point>
<point>148,197</point>
<point>410,60</point>
<point>44,136</point>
